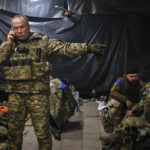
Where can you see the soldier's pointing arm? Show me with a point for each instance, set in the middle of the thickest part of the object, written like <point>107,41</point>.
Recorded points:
<point>73,49</point>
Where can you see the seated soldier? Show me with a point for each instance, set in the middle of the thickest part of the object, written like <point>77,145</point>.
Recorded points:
<point>137,118</point>
<point>123,95</point>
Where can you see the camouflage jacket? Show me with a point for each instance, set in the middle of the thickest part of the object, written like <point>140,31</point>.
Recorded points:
<point>142,108</point>
<point>25,63</point>
<point>123,89</point>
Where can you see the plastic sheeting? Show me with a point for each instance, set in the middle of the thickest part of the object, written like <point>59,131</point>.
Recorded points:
<point>45,8</point>
<point>107,7</point>
<point>34,8</point>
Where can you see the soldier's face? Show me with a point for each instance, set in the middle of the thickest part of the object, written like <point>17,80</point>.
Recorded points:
<point>132,77</point>
<point>21,28</point>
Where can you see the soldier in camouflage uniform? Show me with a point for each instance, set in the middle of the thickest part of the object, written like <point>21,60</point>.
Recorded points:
<point>137,118</point>
<point>24,58</point>
<point>123,95</point>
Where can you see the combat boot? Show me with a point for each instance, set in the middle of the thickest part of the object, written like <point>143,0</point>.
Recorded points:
<point>109,139</point>
<point>56,133</point>
<point>110,142</point>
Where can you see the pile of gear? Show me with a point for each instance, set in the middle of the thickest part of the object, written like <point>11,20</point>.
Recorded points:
<point>3,124</point>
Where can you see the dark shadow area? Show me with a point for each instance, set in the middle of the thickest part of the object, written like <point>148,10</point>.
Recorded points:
<point>70,126</point>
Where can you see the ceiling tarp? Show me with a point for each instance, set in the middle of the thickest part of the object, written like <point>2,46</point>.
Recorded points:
<point>107,7</point>
<point>46,8</point>
<point>34,8</point>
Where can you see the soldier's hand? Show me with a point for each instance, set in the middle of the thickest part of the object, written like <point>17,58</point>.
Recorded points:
<point>129,112</point>
<point>128,104</point>
<point>10,37</point>
<point>97,48</point>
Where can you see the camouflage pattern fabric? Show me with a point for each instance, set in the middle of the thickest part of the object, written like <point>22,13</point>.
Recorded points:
<point>38,106</point>
<point>121,91</point>
<point>139,120</point>
<point>107,120</point>
<point>26,67</point>
<point>62,102</point>
<point>141,111</point>
<point>28,57</point>
<point>117,111</point>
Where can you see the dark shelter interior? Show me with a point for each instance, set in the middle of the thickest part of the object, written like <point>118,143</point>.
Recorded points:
<point>123,25</point>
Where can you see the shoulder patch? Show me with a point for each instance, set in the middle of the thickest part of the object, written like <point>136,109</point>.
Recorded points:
<point>63,85</point>
<point>148,92</point>
<point>118,82</point>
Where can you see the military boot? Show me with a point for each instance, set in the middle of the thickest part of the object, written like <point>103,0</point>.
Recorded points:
<point>56,133</point>
<point>55,130</point>
<point>109,139</point>
<point>110,142</point>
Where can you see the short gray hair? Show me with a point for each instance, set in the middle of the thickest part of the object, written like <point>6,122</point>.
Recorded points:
<point>22,16</point>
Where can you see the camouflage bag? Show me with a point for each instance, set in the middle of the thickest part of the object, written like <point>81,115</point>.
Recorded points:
<point>62,102</point>
<point>106,120</point>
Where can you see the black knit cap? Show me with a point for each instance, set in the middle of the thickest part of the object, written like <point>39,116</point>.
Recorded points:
<point>131,70</point>
<point>144,74</point>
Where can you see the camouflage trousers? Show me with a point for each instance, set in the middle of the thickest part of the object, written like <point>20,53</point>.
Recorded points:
<point>38,107</point>
<point>131,121</point>
<point>129,136</point>
<point>117,111</point>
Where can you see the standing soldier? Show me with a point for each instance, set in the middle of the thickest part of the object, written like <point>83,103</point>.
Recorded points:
<point>24,58</point>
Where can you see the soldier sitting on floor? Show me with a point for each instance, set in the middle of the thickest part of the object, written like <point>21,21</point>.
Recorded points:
<point>136,120</point>
<point>124,94</point>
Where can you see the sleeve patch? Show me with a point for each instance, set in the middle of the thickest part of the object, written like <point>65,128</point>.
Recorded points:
<point>148,92</point>
<point>118,82</point>
<point>63,85</point>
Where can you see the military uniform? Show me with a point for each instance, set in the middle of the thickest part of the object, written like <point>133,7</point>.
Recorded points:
<point>140,118</point>
<point>26,68</point>
<point>141,112</point>
<point>122,90</point>
<point>127,131</point>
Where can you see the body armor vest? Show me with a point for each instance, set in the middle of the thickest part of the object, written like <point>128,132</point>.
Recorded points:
<point>25,63</point>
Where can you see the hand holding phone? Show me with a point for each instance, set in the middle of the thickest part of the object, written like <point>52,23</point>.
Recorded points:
<point>11,36</point>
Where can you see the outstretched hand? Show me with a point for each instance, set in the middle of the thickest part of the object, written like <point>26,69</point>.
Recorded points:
<point>97,48</point>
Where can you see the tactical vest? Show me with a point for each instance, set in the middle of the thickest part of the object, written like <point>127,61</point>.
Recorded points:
<point>26,62</point>
<point>131,91</point>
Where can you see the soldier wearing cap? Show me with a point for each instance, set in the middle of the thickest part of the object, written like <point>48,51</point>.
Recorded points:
<point>124,94</point>
<point>136,123</point>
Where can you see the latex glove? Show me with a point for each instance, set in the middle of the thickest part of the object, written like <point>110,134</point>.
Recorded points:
<point>97,48</point>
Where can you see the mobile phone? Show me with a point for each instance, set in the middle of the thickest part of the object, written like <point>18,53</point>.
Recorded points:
<point>14,37</point>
